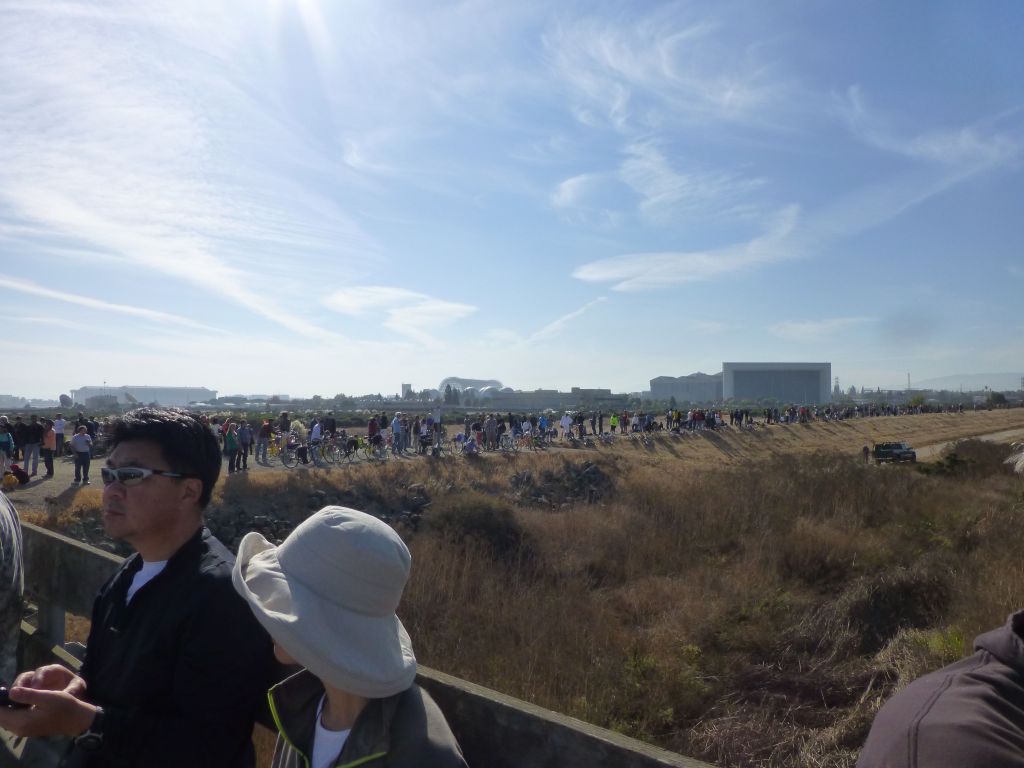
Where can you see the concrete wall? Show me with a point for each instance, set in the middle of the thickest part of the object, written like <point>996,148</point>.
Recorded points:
<point>495,731</point>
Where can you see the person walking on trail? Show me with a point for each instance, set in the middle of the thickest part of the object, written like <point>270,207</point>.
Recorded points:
<point>566,424</point>
<point>263,441</point>
<point>316,439</point>
<point>49,446</point>
<point>59,426</point>
<point>491,432</point>
<point>81,448</point>
<point>244,445</point>
<point>397,434</point>
<point>33,440</point>
<point>18,432</point>
<point>231,447</point>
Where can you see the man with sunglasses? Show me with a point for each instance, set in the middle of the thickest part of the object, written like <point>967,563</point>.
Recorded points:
<point>176,665</point>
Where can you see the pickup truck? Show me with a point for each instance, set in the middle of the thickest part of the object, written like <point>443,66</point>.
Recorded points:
<point>884,452</point>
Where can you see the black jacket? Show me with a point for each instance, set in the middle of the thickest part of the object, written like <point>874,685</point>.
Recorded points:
<point>180,670</point>
<point>33,432</point>
<point>967,715</point>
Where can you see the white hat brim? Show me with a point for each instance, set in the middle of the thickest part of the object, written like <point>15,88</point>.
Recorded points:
<point>366,655</point>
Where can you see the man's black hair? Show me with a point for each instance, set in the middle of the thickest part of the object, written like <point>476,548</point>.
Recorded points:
<point>186,444</point>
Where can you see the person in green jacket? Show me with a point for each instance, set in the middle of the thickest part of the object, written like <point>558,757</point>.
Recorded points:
<point>327,596</point>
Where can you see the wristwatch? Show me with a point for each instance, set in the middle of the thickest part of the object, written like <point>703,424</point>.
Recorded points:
<point>92,739</point>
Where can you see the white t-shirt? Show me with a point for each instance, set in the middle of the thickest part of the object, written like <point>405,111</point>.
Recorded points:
<point>146,574</point>
<point>327,745</point>
<point>58,426</point>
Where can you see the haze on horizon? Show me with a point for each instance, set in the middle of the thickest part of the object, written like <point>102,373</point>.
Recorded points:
<point>313,197</point>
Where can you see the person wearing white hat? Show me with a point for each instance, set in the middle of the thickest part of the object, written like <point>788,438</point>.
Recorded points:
<point>327,596</point>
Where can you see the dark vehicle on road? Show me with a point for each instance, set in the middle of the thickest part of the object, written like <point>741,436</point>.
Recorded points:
<point>894,452</point>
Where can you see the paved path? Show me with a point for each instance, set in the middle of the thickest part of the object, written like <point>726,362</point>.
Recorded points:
<point>39,490</point>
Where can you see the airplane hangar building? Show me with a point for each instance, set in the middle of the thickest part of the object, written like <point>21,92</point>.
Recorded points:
<point>797,383</point>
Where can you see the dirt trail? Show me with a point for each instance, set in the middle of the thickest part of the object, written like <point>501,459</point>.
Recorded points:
<point>731,446</point>
<point>931,452</point>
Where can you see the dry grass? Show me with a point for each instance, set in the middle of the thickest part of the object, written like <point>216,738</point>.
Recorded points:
<point>749,613</point>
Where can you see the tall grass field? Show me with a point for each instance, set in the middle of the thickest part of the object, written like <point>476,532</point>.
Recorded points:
<point>749,613</point>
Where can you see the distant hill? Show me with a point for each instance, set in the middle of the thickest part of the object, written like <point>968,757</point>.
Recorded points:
<point>971,382</point>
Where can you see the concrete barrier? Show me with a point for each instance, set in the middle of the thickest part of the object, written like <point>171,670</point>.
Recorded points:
<point>496,731</point>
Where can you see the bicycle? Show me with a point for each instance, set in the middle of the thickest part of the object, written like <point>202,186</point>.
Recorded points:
<point>465,446</point>
<point>289,453</point>
<point>346,448</point>
<point>445,447</point>
<point>508,443</point>
<point>330,451</point>
<point>318,453</point>
<point>375,448</point>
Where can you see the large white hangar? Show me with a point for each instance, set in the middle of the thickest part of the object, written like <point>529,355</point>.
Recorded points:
<point>797,383</point>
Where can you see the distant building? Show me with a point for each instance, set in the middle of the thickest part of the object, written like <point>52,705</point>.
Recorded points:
<point>457,382</point>
<point>804,383</point>
<point>695,388</point>
<point>406,391</point>
<point>131,395</point>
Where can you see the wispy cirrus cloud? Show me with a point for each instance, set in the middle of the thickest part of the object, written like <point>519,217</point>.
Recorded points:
<point>951,157</point>
<point>576,191</point>
<point>812,330</point>
<point>32,289</point>
<point>666,192</point>
<point>648,271</point>
<point>662,64</point>
<point>967,148</point>
<point>101,143</point>
<point>409,313</point>
<point>555,327</point>
<point>509,338</point>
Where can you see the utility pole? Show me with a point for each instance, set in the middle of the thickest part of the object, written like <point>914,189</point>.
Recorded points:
<point>908,381</point>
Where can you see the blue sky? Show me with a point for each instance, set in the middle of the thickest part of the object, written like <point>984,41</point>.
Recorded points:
<point>319,197</point>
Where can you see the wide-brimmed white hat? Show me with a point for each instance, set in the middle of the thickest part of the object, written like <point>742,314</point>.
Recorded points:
<point>328,596</point>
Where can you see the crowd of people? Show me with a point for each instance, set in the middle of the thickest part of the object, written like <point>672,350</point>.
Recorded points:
<point>23,444</point>
<point>189,644</point>
<point>27,441</point>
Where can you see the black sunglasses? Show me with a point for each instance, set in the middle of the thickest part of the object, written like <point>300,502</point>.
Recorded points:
<point>133,475</point>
